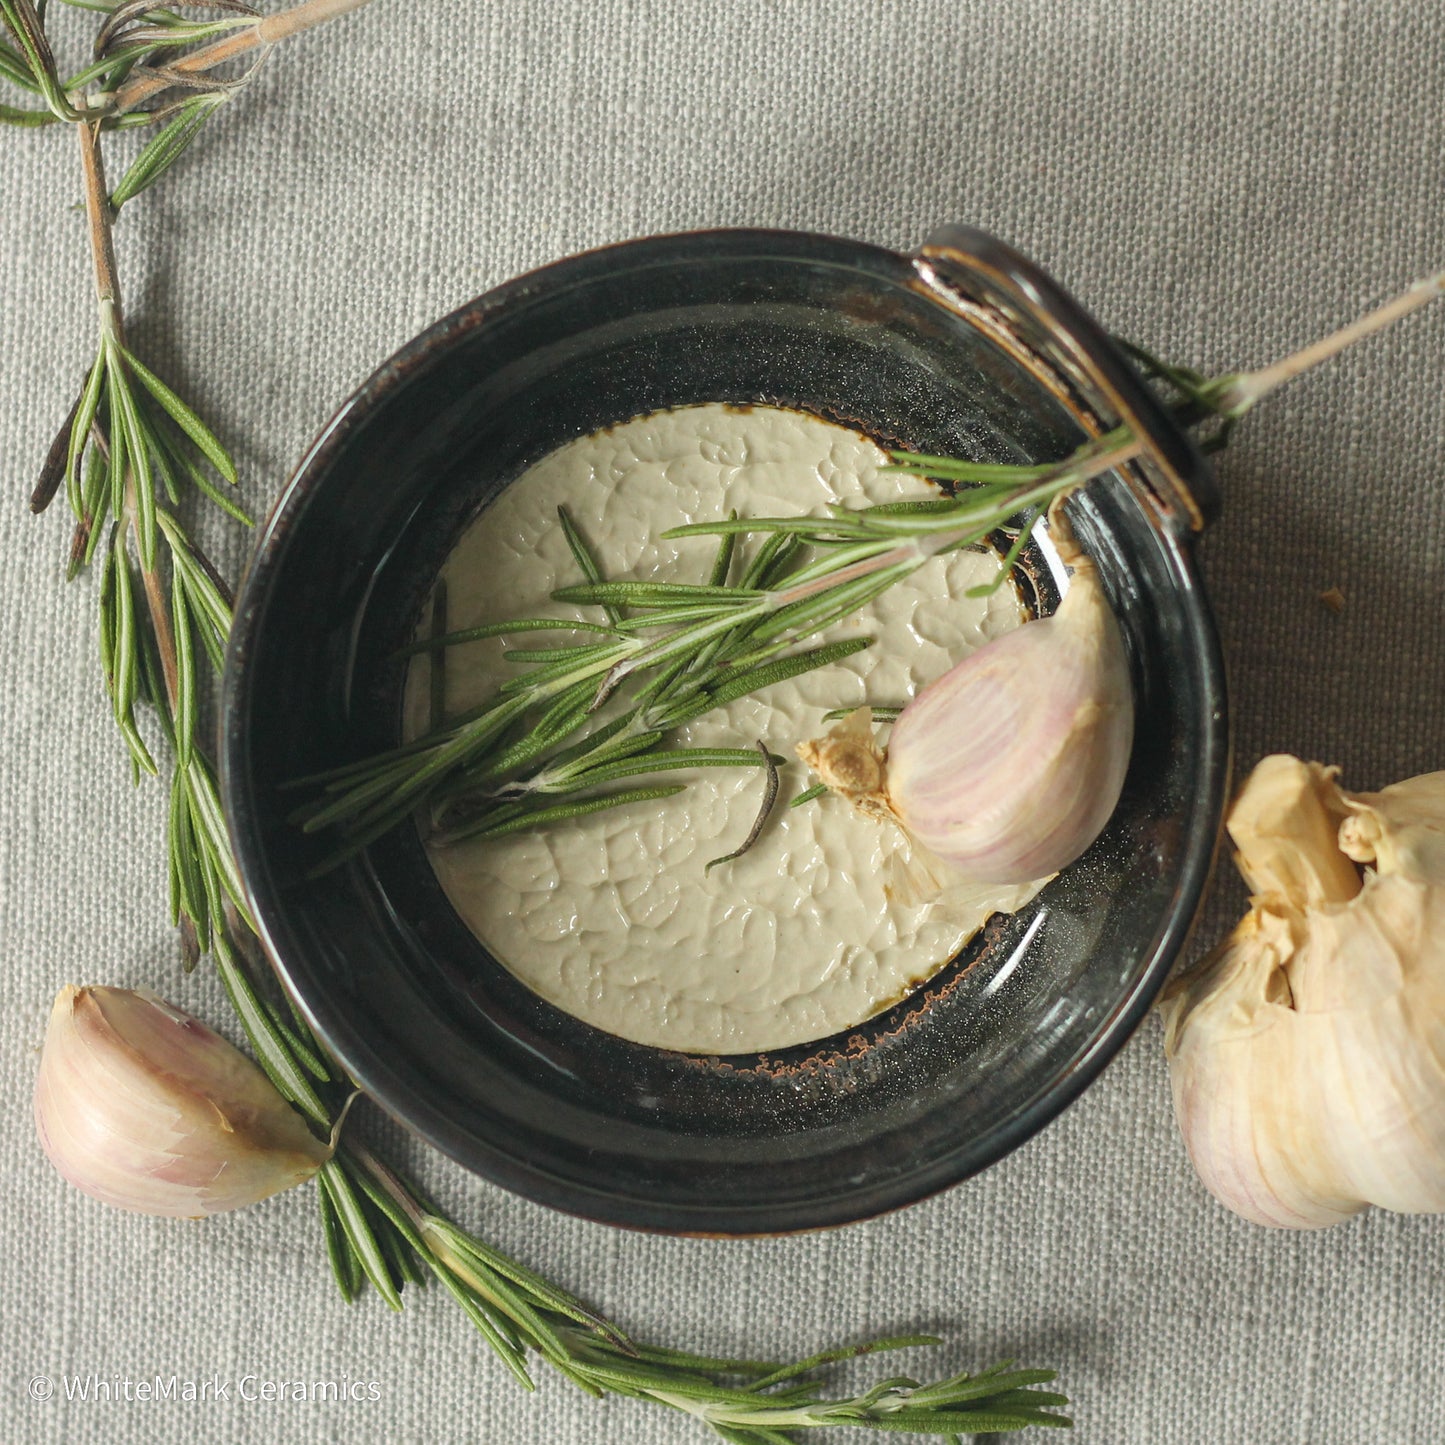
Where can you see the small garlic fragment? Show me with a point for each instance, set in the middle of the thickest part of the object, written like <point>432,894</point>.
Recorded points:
<point>1307,1054</point>
<point>848,760</point>
<point>144,1107</point>
<point>1008,766</point>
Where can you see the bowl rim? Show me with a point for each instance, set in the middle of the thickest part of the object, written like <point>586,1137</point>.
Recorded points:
<point>389,1087</point>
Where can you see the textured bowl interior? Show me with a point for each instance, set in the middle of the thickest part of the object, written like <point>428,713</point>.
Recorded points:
<point>434,1028</point>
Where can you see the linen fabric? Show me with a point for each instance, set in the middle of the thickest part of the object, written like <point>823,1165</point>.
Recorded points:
<point>1221,185</point>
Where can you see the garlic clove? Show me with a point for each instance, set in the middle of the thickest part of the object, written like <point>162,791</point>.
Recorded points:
<point>1284,825</point>
<point>1370,981</point>
<point>1010,765</point>
<point>144,1107</point>
<point>1400,829</point>
<point>1232,1042</point>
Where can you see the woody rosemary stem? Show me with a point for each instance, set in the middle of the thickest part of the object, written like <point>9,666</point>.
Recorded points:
<point>273,28</point>
<point>1236,394</point>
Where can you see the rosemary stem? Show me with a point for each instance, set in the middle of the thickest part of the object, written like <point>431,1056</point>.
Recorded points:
<point>1238,393</point>
<point>160,623</point>
<point>102,236</point>
<point>266,32</point>
<point>304,17</point>
<point>1092,460</point>
<point>383,1176</point>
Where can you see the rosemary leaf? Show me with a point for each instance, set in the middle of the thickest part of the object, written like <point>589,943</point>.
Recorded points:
<point>956,469</point>
<point>504,629</point>
<point>128,424</point>
<point>567,713</point>
<point>683,643</point>
<point>401,1260</point>
<point>563,657</point>
<point>191,424</point>
<point>754,679</point>
<point>189,898</point>
<point>185,709</point>
<point>758,568</point>
<point>653,594</point>
<point>14,69</point>
<point>987,589</point>
<point>119,446</point>
<point>211,825</point>
<point>81,421</point>
<point>569,661</point>
<point>270,1046</point>
<point>555,1299</point>
<point>180,465</point>
<point>607,744</point>
<point>358,1232</point>
<point>163,150</point>
<point>667,760</point>
<point>88,530</point>
<point>108,620</point>
<point>345,1267</point>
<point>126,659</point>
<point>560,812</point>
<point>35,55</point>
<point>488,1322</point>
<point>880,714</point>
<point>807,526</point>
<point>654,692</point>
<point>112,68</point>
<point>585,560</point>
<point>674,617</point>
<point>723,558</point>
<point>775,567</point>
<point>770,795</point>
<point>300,1050</point>
<point>26,119</point>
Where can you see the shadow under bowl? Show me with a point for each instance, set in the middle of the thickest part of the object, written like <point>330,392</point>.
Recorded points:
<point>963,348</point>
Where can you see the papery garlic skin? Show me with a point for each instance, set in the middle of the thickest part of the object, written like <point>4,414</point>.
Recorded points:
<point>146,1108</point>
<point>1010,765</point>
<point>1307,1055</point>
<point>1234,1051</point>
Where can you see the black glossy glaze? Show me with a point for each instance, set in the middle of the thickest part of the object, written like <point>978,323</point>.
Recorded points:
<point>434,1029</point>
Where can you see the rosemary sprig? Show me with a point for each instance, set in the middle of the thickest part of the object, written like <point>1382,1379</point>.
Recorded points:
<point>675,650</point>
<point>128,455</point>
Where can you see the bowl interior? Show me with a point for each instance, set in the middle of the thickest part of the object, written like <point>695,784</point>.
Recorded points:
<point>432,1026</point>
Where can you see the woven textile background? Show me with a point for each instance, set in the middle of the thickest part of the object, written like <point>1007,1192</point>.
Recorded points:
<point>1221,183</point>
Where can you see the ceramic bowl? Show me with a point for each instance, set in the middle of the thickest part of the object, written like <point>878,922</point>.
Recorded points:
<point>963,347</point>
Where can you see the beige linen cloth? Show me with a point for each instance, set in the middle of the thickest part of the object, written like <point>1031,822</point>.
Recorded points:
<point>1219,182</point>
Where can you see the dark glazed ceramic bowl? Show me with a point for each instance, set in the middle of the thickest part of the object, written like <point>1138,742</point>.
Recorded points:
<point>962,348</point>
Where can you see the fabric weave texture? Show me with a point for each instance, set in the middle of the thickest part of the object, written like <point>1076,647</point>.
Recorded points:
<point>1218,185</point>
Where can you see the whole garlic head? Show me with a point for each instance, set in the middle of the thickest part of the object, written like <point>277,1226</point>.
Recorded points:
<point>1307,1054</point>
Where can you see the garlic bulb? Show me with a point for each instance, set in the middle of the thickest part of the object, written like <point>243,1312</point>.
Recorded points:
<point>1009,766</point>
<point>147,1109</point>
<point>1307,1054</point>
